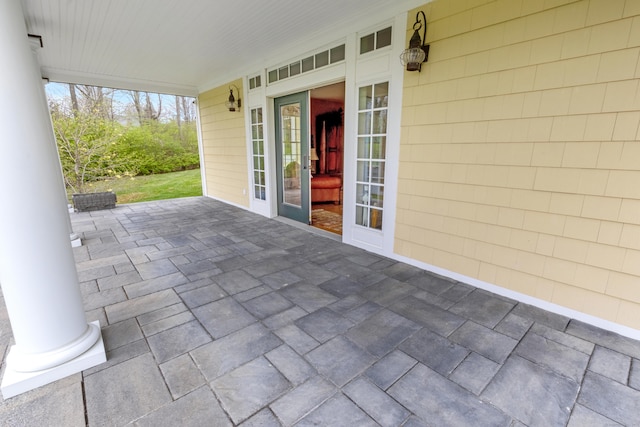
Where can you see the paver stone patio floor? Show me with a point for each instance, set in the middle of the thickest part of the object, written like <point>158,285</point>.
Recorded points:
<point>215,316</point>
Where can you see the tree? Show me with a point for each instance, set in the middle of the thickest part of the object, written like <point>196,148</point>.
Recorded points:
<point>145,109</point>
<point>85,143</point>
<point>98,138</point>
<point>93,99</point>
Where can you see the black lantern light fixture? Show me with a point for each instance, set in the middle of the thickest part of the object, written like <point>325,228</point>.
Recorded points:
<point>417,53</point>
<point>232,104</point>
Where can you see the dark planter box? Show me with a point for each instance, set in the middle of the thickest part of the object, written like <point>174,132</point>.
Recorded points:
<point>84,202</point>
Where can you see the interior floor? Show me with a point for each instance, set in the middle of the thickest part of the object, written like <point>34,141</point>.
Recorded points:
<point>327,216</point>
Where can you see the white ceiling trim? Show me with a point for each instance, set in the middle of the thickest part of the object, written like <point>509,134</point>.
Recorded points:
<point>66,76</point>
<point>188,47</point>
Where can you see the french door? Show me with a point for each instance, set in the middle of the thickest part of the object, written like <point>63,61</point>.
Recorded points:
<point>292,156</point>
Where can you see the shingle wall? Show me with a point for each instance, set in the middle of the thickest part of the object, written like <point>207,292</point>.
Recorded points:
<point>224,145</point>
<point>520,150</point>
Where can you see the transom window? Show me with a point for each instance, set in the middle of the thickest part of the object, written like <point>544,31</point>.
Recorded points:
<point>310,63</point>
<point>372,147</point>
<point>376,40</point>
<point>257,138</point>
<point>255,82</point>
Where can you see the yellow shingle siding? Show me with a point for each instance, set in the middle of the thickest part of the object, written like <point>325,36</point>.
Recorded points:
<point>520,150</point>
<point>224,146</point>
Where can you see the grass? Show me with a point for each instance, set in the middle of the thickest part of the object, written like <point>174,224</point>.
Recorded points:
<point>152,187</point>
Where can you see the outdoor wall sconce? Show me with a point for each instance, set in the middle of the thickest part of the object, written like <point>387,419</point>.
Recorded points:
<point>232,104</point>
<point>417,53</point>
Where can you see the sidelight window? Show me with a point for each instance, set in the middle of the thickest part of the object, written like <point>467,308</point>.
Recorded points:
<point>257,139</point>
<point>371,155</point>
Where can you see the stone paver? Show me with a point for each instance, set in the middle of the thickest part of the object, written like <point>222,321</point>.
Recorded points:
<point>223,355</point>
<point>264,418</point>
<point>514,326</point>
<point>610,364</point>
<point>433,318</point>
<point>57,404</point>
<point>434,351</point>
<point>267,305</point>
<point>141,305</point>
<point>339,412</point>
<point>611,399</point>
<point>182,375</point>
<point>484,341</point>
<point>307,296</point>
<point>203,295</point>
<point>441,402</point>
<point>390,368</point>
<point>634,375</point>
<point>605,338</point>
<point>340,360</point>
<point>483,308</point>
<point>297,339</point>
<point>121,333</point>
<point>324,324</point>
<point>292,366</point>
<point>179,340</point>
<point>379,405</point>
<point>125,392</point>
<point>475,372</point>
<point>583,417</point>
<point>382,332</point>
<point>563,360</point>
<point>196,409</point>
<point>302,399</point>
<point>223,317</point>
<point>212,315</point>
<point>249,388</point>
<point>161,325</point>
<point>549,396</point>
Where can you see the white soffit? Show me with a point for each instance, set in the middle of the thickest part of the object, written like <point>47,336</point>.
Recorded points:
<point>181,47</point>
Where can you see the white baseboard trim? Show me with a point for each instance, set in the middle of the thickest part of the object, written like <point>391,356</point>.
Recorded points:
<point>526,299</point>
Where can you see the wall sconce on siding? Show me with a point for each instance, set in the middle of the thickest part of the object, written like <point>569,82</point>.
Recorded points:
<point>417,53</point>
<point>232,104</point>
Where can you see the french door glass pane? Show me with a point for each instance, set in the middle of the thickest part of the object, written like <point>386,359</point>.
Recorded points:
<point>379,148</point>
<point>364,123</point>
<point>380,121</point>
<point>377,196</point>
<point>366,93</point>
<point>377,172</point>
<point>291,154</point>
<point>364,145</point>
<point>381,94</point>
<point>362,171</point>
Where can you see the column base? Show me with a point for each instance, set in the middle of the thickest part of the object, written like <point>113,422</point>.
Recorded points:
<point>76,241</point>
<point>15,383</point>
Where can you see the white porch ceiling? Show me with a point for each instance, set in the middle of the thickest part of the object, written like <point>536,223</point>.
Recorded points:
<point>184,47</point>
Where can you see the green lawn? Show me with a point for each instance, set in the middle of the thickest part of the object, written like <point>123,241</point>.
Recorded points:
<point>152,187</point>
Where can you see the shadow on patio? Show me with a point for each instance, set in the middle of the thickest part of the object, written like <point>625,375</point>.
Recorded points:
<point>215,316</point>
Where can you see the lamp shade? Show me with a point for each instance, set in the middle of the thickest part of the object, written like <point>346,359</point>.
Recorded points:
<point>231,102</point>
<point>412,58</point>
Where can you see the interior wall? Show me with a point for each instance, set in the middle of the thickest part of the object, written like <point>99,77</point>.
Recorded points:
<point>520,146</point>
<point>224,146</point>
<point>320,107</point>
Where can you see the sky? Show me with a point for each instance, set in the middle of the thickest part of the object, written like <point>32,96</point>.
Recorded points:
<point>122,99</point>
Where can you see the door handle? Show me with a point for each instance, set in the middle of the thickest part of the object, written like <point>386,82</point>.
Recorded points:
<point>305,162</point>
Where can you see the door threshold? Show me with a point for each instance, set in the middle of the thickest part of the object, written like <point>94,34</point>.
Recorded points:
<point>309,228</point>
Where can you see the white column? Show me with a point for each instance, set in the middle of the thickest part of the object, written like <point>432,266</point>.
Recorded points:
<point>37,269</point>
